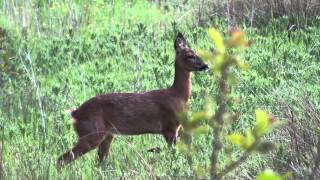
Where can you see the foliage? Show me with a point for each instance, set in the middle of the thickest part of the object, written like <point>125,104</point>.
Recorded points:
<point>270,175</point>
<point>222,60</point>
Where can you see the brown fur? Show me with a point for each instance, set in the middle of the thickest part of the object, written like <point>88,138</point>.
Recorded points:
<point>100,118</point>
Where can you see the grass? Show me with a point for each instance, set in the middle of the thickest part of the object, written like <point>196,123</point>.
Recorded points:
<point>70,52</point>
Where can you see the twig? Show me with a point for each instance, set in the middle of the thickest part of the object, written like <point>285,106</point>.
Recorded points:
<point>236,163</point>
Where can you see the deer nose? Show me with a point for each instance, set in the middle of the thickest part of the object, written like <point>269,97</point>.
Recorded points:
<point>204,67</point>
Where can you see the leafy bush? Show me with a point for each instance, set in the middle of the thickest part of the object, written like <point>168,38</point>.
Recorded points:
<point>221,61</point>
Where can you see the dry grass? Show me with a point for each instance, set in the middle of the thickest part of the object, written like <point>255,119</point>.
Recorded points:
<point>257,12</point>
<point>300,146</point>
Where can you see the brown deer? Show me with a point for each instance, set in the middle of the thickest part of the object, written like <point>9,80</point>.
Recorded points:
<point>100,118</point>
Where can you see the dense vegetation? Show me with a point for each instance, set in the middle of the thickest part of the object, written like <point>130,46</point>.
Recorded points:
<point>55,55</point>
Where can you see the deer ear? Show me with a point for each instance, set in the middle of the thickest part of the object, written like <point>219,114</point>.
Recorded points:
<point>180,42</point>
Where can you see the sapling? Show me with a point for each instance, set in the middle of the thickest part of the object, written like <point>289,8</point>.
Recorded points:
<point>224,61</point>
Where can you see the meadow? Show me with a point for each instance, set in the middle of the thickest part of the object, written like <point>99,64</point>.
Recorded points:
<point>55,55</point>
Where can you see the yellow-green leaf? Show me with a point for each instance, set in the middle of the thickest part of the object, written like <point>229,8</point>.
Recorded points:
<point>182,147</point>
<point>217,63</point>
<point>217,39</point>
<point>236,138</point>
<point>318,130</point>
<point>200,170</point>
<point>243,142</point>
<point>205,55</point>
<point>201,130</point>
<point>269,175</point>
<point>241,65</point>
<point>199,116</point>
<point>237,39</point>
<point>183,118</point>
<point>262,123</point>
<point>209,107</point>
<point>249,140</point>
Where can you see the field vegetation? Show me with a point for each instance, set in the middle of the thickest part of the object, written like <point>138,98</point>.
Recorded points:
<point>54,55</point>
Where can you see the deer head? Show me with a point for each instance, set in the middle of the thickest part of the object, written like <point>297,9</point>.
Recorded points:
<point>186,57</point>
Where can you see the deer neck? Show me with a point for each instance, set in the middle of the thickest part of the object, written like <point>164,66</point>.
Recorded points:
<point>182,83</point>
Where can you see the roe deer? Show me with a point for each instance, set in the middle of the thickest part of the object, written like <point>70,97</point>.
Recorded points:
<point>100,118</point>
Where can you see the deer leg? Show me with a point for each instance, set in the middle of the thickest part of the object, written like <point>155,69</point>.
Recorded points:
<point>170,137</point>
<point>84,145</point>
<point>104,147</point>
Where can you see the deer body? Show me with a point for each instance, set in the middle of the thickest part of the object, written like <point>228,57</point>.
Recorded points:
<point>101,117</point>
<point>132,113</point>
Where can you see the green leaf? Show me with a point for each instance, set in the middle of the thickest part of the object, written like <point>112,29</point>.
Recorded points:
<point>217,40</point>
<point>269,175</point>
<point>262,123</point>
<point>201,130</point>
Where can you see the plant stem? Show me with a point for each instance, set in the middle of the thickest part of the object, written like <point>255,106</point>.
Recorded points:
<point>236,163</point>
<point>217,120</point>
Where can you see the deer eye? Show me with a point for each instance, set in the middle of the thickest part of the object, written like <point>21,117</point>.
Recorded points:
<point>193,59</point>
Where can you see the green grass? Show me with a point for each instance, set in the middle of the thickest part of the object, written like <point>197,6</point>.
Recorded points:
<point>128,47</point>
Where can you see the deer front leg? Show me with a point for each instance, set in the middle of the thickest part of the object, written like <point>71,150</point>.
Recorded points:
<point>171,135</point>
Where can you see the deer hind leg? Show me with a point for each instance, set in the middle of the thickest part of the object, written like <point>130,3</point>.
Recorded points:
<point>104,147</point>
<point>84,145</point>
<point>90,133</point>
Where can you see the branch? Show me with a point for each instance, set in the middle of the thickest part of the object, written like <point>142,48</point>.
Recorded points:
<point>236,163</point>
<point>216,141</point>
